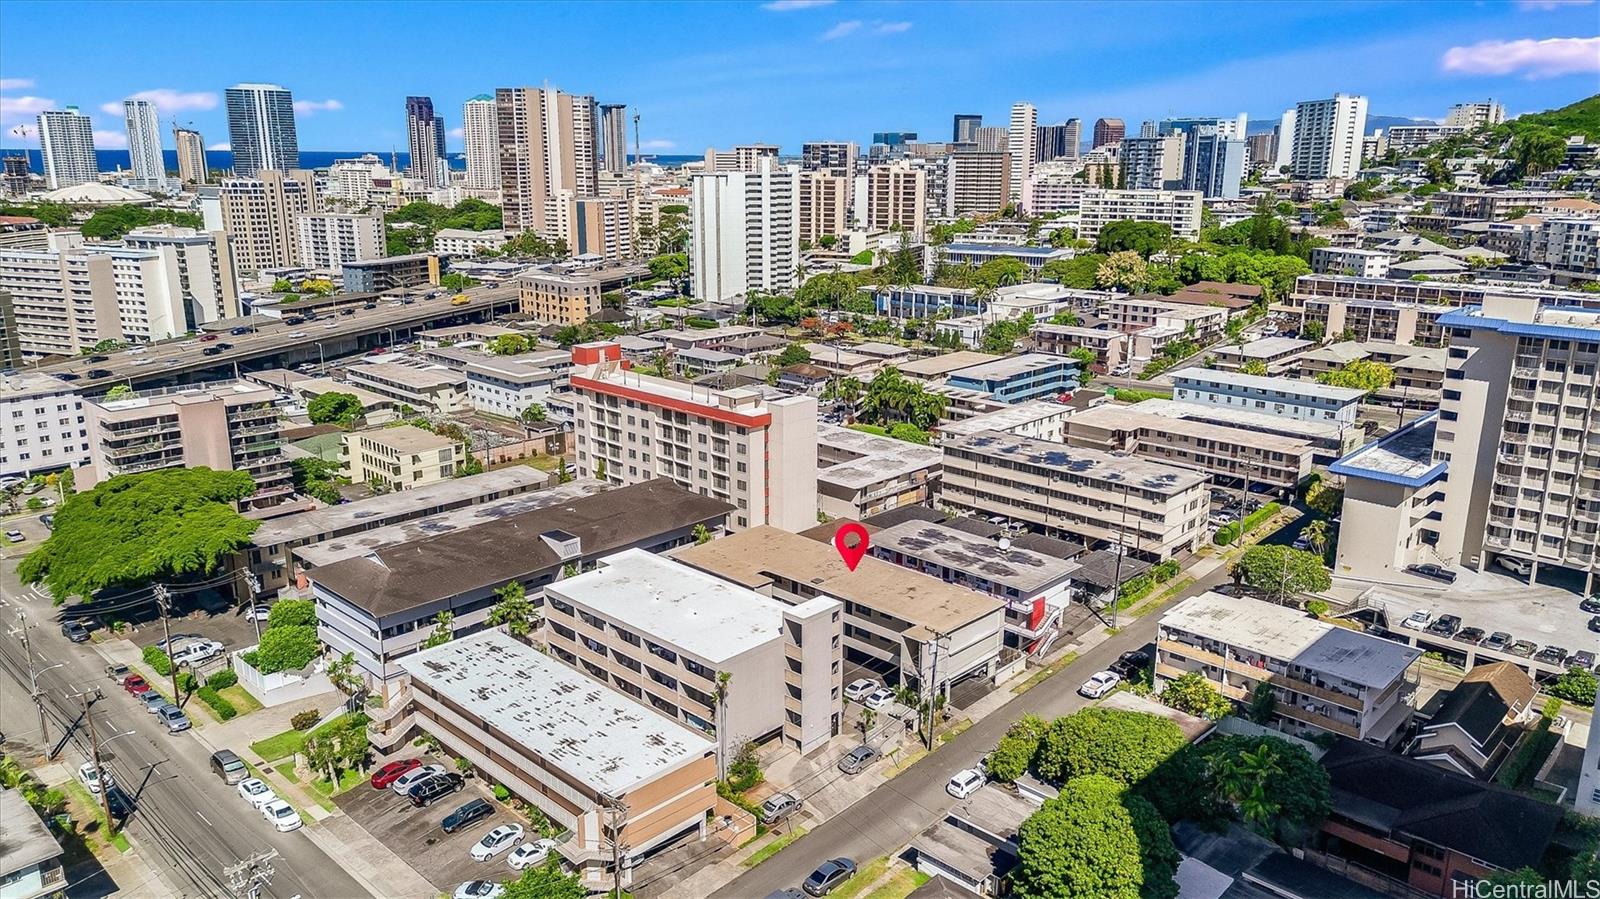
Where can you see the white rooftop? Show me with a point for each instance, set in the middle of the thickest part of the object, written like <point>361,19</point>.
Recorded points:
<point>588,730</point>
<point>1270,385</point>
<point>693,611</point>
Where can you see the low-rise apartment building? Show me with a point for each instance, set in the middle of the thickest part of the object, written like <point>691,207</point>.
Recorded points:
<point>675,638</point>
<point>389,272</point>
<point>1385,321</point>
<point>935,370</point>
<point>1133,314</point>
<point>1329,440</point>
<point>1016,379</point>
<point>1039,419</point>
<point>560,298</point>
<point>910,629</point>
<point>1288,397</point>
<point>1393,503</point>
<point>1278,355</point>
<point>1229,455</point>
<point>401,458</point>
<point>463,242</point>
<point>861,474</point>
<point>1326,679</point>
<point>425,388</point>
<point>505,386</point>
<point>1110,348</point>
<point>976,254</point>
<point>1177,209</point>
<point>42,425</point>
<point>1351,261</point>
<point>1155,509</point>
<point>576,750</point>
<point>1427,293</point>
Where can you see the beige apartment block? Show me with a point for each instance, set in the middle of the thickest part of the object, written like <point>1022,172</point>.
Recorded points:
<point>824,205</point>
<point>560,299</point>
<point>258,215</point>
<point>1110,348</point>
<point>1383,321</point>
<point>1178,209</point>
<point>1228,455</point>
<point>897,197</point>
<point>431,388</point>
<point>860,474</point>
<point>401,458</point>
<point>547,146</point>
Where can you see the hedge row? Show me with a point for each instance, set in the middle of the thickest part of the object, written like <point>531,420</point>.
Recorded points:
<point>1230,531</point>
<point>1137,588</point>
<point>224,709</point>
<point>160,661</point>
<point>223,679</point>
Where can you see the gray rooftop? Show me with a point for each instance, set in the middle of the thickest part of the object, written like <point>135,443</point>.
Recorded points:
<point>408,375</point>
<point>1268,347</point>
<point>24,839</point>
<point>1407,453</point>
<point>404,439</point>
<point>1023,570</point>
<point>881,458</point>
<point>1305,429</point>
<point>1012,416</point>
<point>934,366</point>
<point>1082,462</point>
<point>31,383</point>
<point>1270,385</point>
<point>1013,366</point>
<point>585,729</point>
<point>1291,636</point>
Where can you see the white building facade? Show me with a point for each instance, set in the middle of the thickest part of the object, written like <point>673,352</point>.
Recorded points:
<point>746,234</point>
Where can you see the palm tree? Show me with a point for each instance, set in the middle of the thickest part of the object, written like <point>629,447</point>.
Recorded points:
<point>848,391</point>
<point>1317,532</point>
<point>719,698</point>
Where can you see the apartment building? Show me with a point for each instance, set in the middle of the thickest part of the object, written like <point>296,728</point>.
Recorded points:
<point>192,168</point>
<point>560,299</point>
<point>742,158</point>
<point>1327,137</point>
<point>1329,440</point>
<point>910,629</point>
<point>328,240</point>
<point>70,297</point>
<point>576,750</point>
<point>1231,456</point>
<point>261,129</point>
<point>1110,348</point>
<point>400,458</point>
<point>66,148</point>
<point>1381,321</point>
<point>462,242</point>
<point>1177,209</point>
<point>823,205</point>
<point>1567,244</point>
<point>258,215</point>
<point>226,425</point>
<point>745,231</point>
<point>547,146</point>
<point>924,302</point>
<point>1138,313</point>
<point>144,143</point>
<point>832,156</point>
<point>1428,293</point>
<point>977,182</point>
<point>1035,258</point>
<point>1275,355</point>
<point>1393,503</point>
<point>42,424</point>
<point>1305,400</point>
<point>736,445</point>
<point>390,272</point>
<point>205,266</point>
<point>1051,190</point>
<point>592,226</point>
<point>1019,378</point>
<point>861,474</point>
<point>1153,163</point>
<point>897,198</point>
<point>1155,509</point>
<point>1037,419</point>
<point>673,637</point>
<point>1418,372</point>
<point>505,386</point>
<point>1351,261</point>
<point>1326,679</point>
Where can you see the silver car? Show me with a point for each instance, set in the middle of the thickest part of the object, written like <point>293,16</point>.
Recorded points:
<point>174,718</point>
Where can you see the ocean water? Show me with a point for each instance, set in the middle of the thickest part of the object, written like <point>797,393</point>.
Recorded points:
<point>112,160</point>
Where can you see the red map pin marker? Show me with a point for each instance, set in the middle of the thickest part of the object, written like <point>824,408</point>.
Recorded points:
<point>841,541</point>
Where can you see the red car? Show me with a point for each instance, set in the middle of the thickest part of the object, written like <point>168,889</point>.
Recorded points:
<point>135,684</point>
<point>388,774</point>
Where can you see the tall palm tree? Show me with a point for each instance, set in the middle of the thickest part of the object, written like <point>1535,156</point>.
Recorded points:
<point>719,696</point>
<point>1317,532</point>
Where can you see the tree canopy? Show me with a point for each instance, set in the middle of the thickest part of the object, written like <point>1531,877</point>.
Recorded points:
<point>1096,839</point>
<point>1124,746</point>
<point>1144,238</point>
<point>1194,695</point>
<point>793,354</point>
<point>1274,786</point>
<point>1077,272</point>
<point>1362,374</point>
<point>114,222</point>
<point>670,266</point>
<point>508,345</point>
<point>137,528</point>
<point>336,408</point>
<point>1281,571</point>
<point>545,882</point>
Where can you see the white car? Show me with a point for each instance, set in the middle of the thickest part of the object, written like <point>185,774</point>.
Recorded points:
<point>1515,565</point>
<point>402,784</point>
<point>1417,620</point>
<point>965,783</point>
<point>533,853</point>
<point>496,841</point>
<point>861,688</point>
<point>197,652</point>
<point>253,791</point>
<point>879,698</point>
<point>281,815</point>
<point>479,889</point>
<point>92,779</point>
<point>1099,684</point>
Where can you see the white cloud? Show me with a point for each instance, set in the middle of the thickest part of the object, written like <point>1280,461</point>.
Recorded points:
<point>892,28</point>
<point>223,147</point>
<point>18,109</point>
<point>110,140</point>
<point>658,144</point>
<point>1549,5</point>
<point>167,101</point>
<point>1548,58</point>
<point>792,5</point>
<point>15,84</point>
<point>311,107</point>
<point>456,132</point>
<point>843,29</point>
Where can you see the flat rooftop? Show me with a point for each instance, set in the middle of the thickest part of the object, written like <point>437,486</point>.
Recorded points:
<point>665,599</point>
<point>822,353</point>
<point>934,366</point>
<point>408,375</point>
<point>1080,461</point>
<point>1270,385</point>
<point>1015,416</point>
<point>315,387</point>
<point>1283,633</point>
<point>1020,569</point>
<point>405,439</point>
<point>1014,366</point>
<point>1131,418</point>
<point>588,730</point>
<point>1403,457</point>
<point>879,459</point>
<point>755,558</point>
<point>1233,416</point>
<point>1268,347</point>
<point>23,834</point>
<point>31,383</point>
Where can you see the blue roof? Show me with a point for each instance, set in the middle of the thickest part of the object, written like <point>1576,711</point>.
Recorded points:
<point>1002,250</point>
<point>1473,317</point>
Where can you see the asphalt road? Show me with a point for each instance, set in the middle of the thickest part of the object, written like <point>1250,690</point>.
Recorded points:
<point>892,815</point>
<point>188,822</point>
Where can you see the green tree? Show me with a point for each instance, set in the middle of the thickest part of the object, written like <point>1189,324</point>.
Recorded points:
<point>1318,533</point>
<point>534,414</point>
<point>1195,695</point>
<point>1263,704</point>
<point>1127,270</point>
<point>513,609</point>
<point>1362,374</point>
<point>1014,756</point>
<point>457,282</point>
<point>334,408</point>
<point>1576,685</point>
<point>508,345</point>
<point>118,391</point>
<point>1095,839</point>
<point>701,534</point>
<point>286,648</point>
<point>546,882</point>
<point>292,613</point>
<point>137,528</point>
<point>343,675</point>
<point>1143,238</point>
<point>1281,571</point>
<point>441,633</point>
<point>1313,331</point>
<point>670,266</point>
<point>1078,272</point>
<point>1002,271</point>
<point>832,290</point>
<point>793,354</point>
<point>1068,318</point>
<point>1254,367</point>
<point>1538,149</point>
<point>114,222</point>
<point>1124,746</point>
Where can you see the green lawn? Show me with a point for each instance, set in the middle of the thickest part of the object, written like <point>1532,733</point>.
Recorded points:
<point>279,746</point>
<point>347,780</point>
<point>901,885</point>
<point>241,699</point>
<point>774,847</point>
<point>866,876</point>
<point>287,770</point>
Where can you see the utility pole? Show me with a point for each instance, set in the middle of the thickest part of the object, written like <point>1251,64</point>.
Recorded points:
<point>933,686</point>
<point>254,583</point>
<point>616,816</point>
<point>33,676</point>
<point>166,630</point>
<point>1122,549</point>
<point>253,875</point>
<point>1244,503</point>
<point>100,772</point>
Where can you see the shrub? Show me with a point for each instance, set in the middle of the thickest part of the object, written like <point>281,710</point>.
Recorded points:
<point>1576,686</point>
<point>218,704</point>
<point>187,682</point>
<point>305,720</point>
<point>292,612</point>
<point>160,661</point>
<point>1230,531</point>
<point>1124,746</point>
<point>745,770</point>
<point>1014,756</point>
<point>501,793</point>
<point>1317,607</point>
<point>223,679</point>
<point>286,648</point>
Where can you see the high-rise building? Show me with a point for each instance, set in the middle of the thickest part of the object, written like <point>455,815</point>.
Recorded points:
<point>191,156</point>
<point>482,138</point>
<point>1262,148</point>
<point>1475,115</point>
<point>829,155</point>
<point>894,138</point>
<point>425,138</point>
<point>1153,163</point>
<point>44,424</point>
<point>258,215</point>
<point>204,263</point>
<point>66,144</point>
<point>325,241</point>
<point>824,205</point>
<point>592,226</point>
<point>547,145</point>
<point>1108,131</point>
<point>614,136</point>
<point>746,234</point>
<point>1023,147</point>
<point>1235,127</point>
<point>1058,141</point>
<point>1327,137</point>
<point>261,129</point>
<point>966,128</point>
<point>742,158</point>
<point>1283,141</point>
<point>14,174</point>
<point>144,141</point>
<point>976,182</point>
<point>1177,209</point>
<point>759,454</point>
<point>991,139</point>
<point>897,197</point>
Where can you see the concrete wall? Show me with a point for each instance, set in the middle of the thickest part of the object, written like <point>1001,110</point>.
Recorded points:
<point>279,687</point>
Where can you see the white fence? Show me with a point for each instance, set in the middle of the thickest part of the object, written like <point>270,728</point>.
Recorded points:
<point>282,686</point>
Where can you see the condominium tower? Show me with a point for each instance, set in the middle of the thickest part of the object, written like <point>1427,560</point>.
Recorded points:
<point>66,144</point>
<point>425,138</point>
<point>261,128</point>
<point>482,139</point>
<point>1023,148</point>
<point>1327,137</point>
<point>144,140</point>
<point>746,234</point>
<point>965,128</point>
<point>614,137</point>
<point>1108,131</point>
<point>258,215</point>
<point>191,156</point>
<point>1058,141</point>
<point>547,145</point>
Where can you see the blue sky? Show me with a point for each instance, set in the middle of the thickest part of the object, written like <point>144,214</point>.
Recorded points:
<point>786,71</point>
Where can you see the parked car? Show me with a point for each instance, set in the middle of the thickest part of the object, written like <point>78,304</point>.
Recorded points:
<point>120,803</point>
<point>1523,648</point>
<point>174,718</point>
<point>393,771</point>
<point>479,889</point>
<point>1554,655</point>
<point>1445,626</point>
<point>406,781</point>
<point>195,653</point>
<point>1590,605</point>
<point>1499,641</point>
<point>1417,620</point>
<point>1470,635</point>
<point>496,841</point>
<point>228,766</point>
<point>1514,565</point>
<point>1583,658</point>
<point>879,698</point>
<point>466,815</point>
<point>1302,542</point>
<point>829,875</point>
<point>533,853</point>
<point>281,815</point>
<point>861,688</point>
<point>1594,624</point>
<point>74,631</point>
<point>1130,663</point>
<point>778,807</point>
<point>253,791</point>
<point>965,783</point>
<point>135,684</point>
<point>858,759</point>
<point>259,612</point>
<point>94,779</point>
<point>1099,684</point>
<point>15,536</point>
<point>153,701</point>
<point>117,672</point>
<point>424,792</point>
<point>1433,572</point>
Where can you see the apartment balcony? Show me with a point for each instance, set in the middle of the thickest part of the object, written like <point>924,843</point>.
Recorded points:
<point>1514,437</point>
<point>129,433</point>
<point>164,462</point>
<point>1252,672</point>
<point>117,453</point>
<point>1287,710</point>
<point>1522,394</point>
<point>1518,415</point>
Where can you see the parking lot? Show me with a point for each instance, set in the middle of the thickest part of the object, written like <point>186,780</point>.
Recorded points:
<point>414,834</point>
